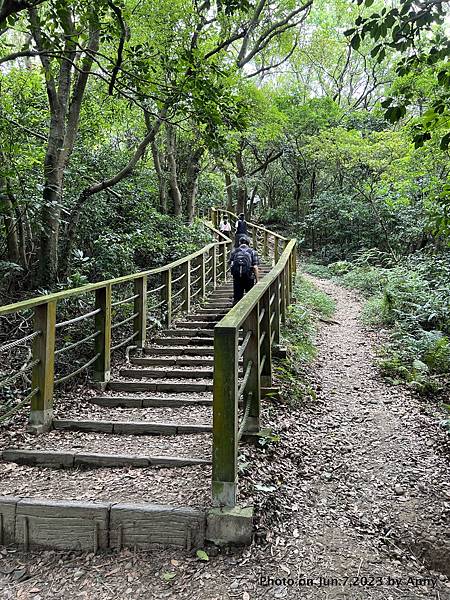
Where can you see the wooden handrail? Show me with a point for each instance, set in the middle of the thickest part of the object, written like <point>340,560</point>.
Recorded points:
<point>91,287</point>
<point>259,314</point>
<point>252,225</point>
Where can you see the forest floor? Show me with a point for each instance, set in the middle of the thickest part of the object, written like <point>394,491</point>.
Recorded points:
<point>353,501</point>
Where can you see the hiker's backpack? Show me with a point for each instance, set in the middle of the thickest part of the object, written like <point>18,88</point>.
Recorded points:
<point>241,227</point>
<point>242,263</point>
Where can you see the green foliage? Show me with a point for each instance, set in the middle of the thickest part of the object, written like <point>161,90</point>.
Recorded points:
<point>411,299</point>
<point>298,334</point>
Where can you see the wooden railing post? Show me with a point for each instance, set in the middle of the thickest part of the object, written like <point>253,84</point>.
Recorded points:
<point>214,217</point>
<point>167,295</point>
<point>283,298</point>
<point>276,310</point>
<point>140,307</point>
<point>266,345</point>
<point>276,252</point>
<point>223,252</point>
<point>41,414</point>
<point>187,286</point>
<point>202,276</point>
<point>252,354</point>
<point>214,267</point>
<point>266,245</point>
<point>225,418</point>
<point>102,366</point>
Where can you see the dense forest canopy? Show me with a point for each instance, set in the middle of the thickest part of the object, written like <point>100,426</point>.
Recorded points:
<point>119,119</point>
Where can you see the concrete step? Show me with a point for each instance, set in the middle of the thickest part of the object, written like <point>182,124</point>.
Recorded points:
<point>188,332</point>
<point>167,373</point>
<point>55,459</point>
<point>186,341</point>
<point>193,325</point>
<point>129,427</point>
<point>82,525</point>
<point>158,386</point>
<point>171,362</point>
<point>148,402</point>
<point>211,319</point>
<point>179,351</point>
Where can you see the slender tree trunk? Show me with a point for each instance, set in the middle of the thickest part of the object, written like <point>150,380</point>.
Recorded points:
<point>173,175</point>
<point>241,204</point>
<point>162,178</point>
<point>229,190</point>
<point>12,239</point>
<point>192,175</point>
<point>95,188</point>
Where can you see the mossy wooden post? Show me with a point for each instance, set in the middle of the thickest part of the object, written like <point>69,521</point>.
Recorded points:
<point>102,366</point>
<point>140,307</point>
<point>41,414</point>
<point>276,253</point>
<point>202,276</point>
<point>255,238</point>
<point>214,217</point>
<point>167,295</point>
<point>275,289</point>
<point>225,417</point>
<point>223,251</point>
<point>266,345</point>
<point>214,267</point>
<point>283,296</point>
<point>187,286</point>
<point>266,245</point>
<point>252,354</point>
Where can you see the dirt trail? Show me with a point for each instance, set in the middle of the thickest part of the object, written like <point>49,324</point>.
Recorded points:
<point>362,500</point>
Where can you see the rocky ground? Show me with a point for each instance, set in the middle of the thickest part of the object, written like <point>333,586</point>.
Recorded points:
<point>352,502</point>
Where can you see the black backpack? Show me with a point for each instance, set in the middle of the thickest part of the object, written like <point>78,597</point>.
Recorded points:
<point>242,262</point>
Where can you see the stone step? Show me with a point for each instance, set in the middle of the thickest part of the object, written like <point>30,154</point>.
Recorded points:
<point>152,386</point>
<point>204,318</point>
<point>165,361</point>
<point>148,402</point>
<point>87,526</point>
<point>193,325</point>
<point>188,332</point>
<point>179,351</point>
<point>179,341</point>
<point>130,427</point>
<point>93,460</point>
<point>167,373</point>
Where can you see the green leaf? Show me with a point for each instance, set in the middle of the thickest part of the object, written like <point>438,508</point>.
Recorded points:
<point>355,42</point>
<point>201,554</point>
<point>168,575</point>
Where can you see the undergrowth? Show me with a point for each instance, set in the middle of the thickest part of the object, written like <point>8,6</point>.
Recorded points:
<point>298,337</point>
<point>411,300</point>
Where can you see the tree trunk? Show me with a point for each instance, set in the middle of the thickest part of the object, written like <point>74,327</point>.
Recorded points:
<point>162,178</point>
<point>95,188</point>
<point>241,203</point>
<point>173,175</point>
<point>229,190</point>
<point>12,239</point>
<point>192,175</point>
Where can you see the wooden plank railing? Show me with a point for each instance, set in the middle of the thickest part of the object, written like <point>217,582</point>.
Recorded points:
<point>247,334</point>
<point>120,313</point>
<point>267,243</point>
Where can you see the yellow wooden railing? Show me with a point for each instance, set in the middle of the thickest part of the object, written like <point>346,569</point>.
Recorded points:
<point>142,298</point>
<point>247,334</point>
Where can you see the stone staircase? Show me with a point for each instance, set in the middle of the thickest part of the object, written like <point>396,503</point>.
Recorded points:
<point>155,415</point>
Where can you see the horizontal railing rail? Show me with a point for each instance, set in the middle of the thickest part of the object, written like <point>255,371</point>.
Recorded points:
<point>257,320</point>
<point>109,315</point>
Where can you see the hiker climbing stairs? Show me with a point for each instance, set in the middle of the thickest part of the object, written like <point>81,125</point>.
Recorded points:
<point>151,411</point>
